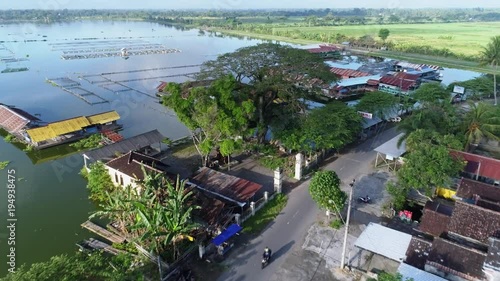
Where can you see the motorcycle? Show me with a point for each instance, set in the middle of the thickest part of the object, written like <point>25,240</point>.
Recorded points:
<point>366,199</point>
<point>265,260</point>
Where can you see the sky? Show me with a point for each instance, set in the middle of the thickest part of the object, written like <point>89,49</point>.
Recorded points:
<point>242,4</point>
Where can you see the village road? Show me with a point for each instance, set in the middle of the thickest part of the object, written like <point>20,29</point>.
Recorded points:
<point>289,229</point>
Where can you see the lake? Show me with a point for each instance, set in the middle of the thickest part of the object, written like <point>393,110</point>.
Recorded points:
<point>51,198</point>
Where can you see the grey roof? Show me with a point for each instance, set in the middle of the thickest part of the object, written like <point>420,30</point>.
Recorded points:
<point>390,148</point>
<point>384,241</point>
<point>367,123</point>
<point>408,271</point>
<point>131,144</point>
<point>493,258</point>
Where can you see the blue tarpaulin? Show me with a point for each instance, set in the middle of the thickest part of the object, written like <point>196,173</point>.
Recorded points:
<point>226,234</point>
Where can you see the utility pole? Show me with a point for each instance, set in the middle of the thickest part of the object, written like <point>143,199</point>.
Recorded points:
<point>342,260</point>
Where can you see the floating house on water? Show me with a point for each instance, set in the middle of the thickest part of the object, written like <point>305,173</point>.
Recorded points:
<point>70,130</point>
<point>14,120</point>
<point>399,83</point>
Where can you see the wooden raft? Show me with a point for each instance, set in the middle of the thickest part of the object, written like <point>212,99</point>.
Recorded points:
<point>103,232</point>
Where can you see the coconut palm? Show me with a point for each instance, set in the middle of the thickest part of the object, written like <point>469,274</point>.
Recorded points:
<point>482,121</point>
<point>490,55</point>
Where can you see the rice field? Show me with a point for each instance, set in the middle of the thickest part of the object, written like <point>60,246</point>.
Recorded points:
<point>464,38</point>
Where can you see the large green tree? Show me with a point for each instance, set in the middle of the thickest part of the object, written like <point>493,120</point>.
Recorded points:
<point>325,190</point>
<point>437,116</point>
<point>332,126</point>
<point>213,114</point>
<point>384,33</point>
<point>380,104</point>
<point>481,121</point>
<point>427,162</point>
<point>83,267</point>
<point>277,77</point>
<point>490,55</point>
<point>431,93</point>
<point>99,182</point>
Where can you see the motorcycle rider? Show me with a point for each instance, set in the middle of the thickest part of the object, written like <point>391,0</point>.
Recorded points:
<point>267,254</point>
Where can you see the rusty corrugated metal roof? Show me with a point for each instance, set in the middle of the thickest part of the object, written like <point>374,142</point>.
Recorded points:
<point>348,72</point>
<point>224,186</point>
<point>481,165</point>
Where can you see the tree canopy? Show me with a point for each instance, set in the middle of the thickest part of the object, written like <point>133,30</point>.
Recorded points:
<point>431,92</point>
<point>99,182</point>
<point>428,163</point>
<point>93,267</point>
<point>384,33</point>
<point>277,77</point>
<point>325,190</point>
<point>481,121</point>
<point>378,103</point>
<point>213,114</point>
<point>491,55</point>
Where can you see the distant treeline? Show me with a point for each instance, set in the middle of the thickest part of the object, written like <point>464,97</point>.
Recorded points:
<point>360,16</point>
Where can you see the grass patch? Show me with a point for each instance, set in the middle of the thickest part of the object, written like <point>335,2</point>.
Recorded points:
<point>336,224</point>
<point>265,215</point>
<point>4,164</point>
<point>184,150</point>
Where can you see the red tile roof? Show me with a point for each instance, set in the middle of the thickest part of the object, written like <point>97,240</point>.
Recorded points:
<point>373,82</point>
<point>435,219</point>
<point>226,187</point>
<point>14,119</point>
<point>162,86</point>
<point>456,259</point>
<point>417,252</point>
<point>343,72</point>
<point>475,222</point>
<point>478,164</point>
<point>468,188</point>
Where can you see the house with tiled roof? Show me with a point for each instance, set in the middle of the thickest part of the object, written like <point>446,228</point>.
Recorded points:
<point>127,169</point>
<point>435,219</point>
<point>454,261</point>
<point>14,120</point>
<point>479,167</point>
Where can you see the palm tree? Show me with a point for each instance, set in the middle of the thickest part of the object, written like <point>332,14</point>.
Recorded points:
<point>482,121</point>
<point>490,55</point>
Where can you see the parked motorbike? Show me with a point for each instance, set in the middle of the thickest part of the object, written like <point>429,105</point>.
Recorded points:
<point>265,260</point>
<point>366,199</point>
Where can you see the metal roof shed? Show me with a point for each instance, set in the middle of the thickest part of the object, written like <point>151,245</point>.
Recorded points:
<point>408,272</point>
<point>384,241</point>
<point>389,152</point>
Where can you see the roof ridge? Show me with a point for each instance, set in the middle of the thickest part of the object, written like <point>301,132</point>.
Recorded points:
<point>119,157</point>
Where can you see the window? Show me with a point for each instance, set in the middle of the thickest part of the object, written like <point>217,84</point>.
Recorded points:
<point>121,180</point>
<point>116,177</point>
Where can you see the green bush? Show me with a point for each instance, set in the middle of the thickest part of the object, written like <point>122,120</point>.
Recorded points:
<point>9,138</point>
<point>93,141</point>
<point>336,224</point>
<point>4,164</point>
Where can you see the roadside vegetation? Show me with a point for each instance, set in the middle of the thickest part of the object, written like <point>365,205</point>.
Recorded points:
<point>4,164</point>
<point>82,266</point>
<point>264,216</point>
<point>435,129</point>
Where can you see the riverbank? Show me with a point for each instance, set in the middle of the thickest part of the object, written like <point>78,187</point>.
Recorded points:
<point>415,58</point>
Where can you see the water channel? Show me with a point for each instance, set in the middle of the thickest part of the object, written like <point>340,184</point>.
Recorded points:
<point>51,198</point>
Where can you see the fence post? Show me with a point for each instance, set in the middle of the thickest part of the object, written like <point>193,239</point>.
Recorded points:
<point>278,180</point>
<point>299,159</point>
<point>266,196</point>
<point>252,206</point>
<point>237,218</point>
<point>201,250</point>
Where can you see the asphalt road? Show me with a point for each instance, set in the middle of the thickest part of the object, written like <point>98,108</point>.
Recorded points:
<point>290,227</point>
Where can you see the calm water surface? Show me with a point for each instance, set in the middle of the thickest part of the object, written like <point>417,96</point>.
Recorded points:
<point>51,198</point>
